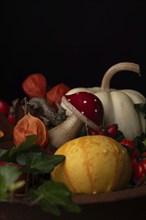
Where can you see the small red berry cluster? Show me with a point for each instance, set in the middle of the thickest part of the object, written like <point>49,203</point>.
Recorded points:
<point>111,131</point>
<point>6,110</point>
<point>136,149</point>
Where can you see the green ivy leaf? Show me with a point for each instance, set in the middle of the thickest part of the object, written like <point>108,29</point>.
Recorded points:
<point>35,161</point>
<point>51,195</point>
<point>2,151</point>
<point>11,154</point>
<point>39,162</point>
<point>8,176</point>
<point>120,136</point>
<point>140,142</point>
<point>141,107</point>
<point>3,188</point>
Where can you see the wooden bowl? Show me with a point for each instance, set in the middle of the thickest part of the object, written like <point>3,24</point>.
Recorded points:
<point>119,205</point>
<point>107,197</point>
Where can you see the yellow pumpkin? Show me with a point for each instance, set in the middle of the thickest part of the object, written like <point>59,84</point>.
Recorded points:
<point>119,104</point>
<point>93,164</point>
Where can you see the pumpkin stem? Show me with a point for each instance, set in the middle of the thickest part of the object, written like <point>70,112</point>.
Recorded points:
<point>123,66</point>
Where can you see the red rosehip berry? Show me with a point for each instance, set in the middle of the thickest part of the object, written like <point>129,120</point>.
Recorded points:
<point>4,107</point>
<point>112,130</point>
<point>129,145</point>
<point>101,131</point>
<point>92,131</point>
<point>11,118</point>
<point>3,163</point>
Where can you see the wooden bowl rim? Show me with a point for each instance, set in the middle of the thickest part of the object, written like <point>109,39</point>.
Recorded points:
<point>134,192</point>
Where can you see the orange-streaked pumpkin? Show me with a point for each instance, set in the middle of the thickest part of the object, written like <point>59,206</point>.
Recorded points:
<point>93,164</point>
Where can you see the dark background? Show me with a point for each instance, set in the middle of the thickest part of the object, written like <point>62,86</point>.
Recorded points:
<point>73,42</point>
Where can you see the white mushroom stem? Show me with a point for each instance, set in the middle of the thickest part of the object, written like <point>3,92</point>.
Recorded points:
<point>123,66</point>
<point>65,131</point>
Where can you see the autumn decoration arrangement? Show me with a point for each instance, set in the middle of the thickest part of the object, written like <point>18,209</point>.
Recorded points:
<point>61,141</point>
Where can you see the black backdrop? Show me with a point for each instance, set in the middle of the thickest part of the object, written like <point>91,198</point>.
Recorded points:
<point>73,42</point>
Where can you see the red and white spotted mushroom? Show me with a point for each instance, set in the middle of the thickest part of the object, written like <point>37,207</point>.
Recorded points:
<point>83,108</point>
<point>86,106</point>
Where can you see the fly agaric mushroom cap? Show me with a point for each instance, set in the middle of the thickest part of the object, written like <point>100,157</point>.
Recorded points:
<point>86,106</point>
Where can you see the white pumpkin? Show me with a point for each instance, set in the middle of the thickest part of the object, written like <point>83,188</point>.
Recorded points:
<point>119,104</point>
